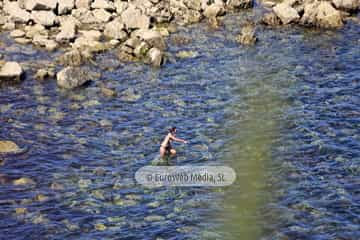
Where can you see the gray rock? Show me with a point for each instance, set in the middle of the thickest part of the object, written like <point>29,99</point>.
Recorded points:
<point>72,77</point>
<point>133,18</point>
<point>45,18</point>
<point>42,74</point>
<point>74,57</point>
<point>40,4</point>
<point>65,6</point>
<point>11,71</point>
<point>286,13</point>
<point>36,29</point>
<point>141,50</point>
<point>91,34</point>
<point>17,14</point>
<point>114,30</point>
<point>85,16</point>
<point>8,146</point>
<point>155,57</point>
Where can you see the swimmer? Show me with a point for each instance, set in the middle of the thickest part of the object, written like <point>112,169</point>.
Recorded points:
<point>165,147</point>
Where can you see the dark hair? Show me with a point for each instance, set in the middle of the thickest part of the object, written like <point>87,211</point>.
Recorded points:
<point>172,129</point>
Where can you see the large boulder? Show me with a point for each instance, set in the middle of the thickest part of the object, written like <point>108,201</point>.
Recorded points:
<point>347,5</point>
<point>72,77</point>
<point>321,14</point>
<point>45,18</point>
<point>133,18</point>
<point>40,4</point>
<point>114,30</point>
<point>17,14</point>
<point>286,13</point>
<point>65,6</point>
<point>11,71</point>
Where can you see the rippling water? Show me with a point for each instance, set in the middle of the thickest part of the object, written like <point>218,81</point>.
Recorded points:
<point>284,114</point>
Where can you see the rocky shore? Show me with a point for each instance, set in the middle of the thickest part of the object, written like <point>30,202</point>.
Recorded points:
<point>138,29</point>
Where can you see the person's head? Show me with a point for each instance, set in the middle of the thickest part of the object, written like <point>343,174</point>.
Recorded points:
<point>172,130</point>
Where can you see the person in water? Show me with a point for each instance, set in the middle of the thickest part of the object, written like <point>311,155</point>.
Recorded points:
<point>165,147</point>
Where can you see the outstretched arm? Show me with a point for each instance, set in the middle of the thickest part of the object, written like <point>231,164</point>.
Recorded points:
<point>178,139</point>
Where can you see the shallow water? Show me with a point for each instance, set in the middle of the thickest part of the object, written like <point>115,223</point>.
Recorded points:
<point>284,114</point>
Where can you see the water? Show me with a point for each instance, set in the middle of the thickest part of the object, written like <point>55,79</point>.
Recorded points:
<point>284,114</point>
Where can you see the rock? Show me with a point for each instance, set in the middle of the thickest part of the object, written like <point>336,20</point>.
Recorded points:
<point>72,77</point>
<point>155,57</point>
<point>65,6</point>
<point>17,34</point>
<point>51,45</point>
<point>9,147</point>
<point>91,34</point>
<point>114,30</point>
<point>32,31</point>
<point>83,4</point>
<point>286,13</point>
<point>347,5</point>
<point>186,54</point>
<point>328,16</point>
<point>45,18</point>
<point>154,218</point>
<point>130,95</point>
<point>9,26</point>
<point>100,227</point>
<point>120,6</point>
<point>271,19</point>
<point>247,35</point>
<point>85,16</point>
<point>101,15</point>
<point>214,10</point>
<point>68,31</point>
<point>24,181</point>
<point>268,4</point>
<point>133,18</point>
<point>40,4</point>
<point>152,37</point>
<point>107,92</point>
<point>10,71</point>
<point>141,50</point>
<point>236,4</point>
<point>57,186</point>
<point>83,43</point>
<point>41,198</point>
<point>321,14</point>
<point>41,74</point>
<point>22,40</point>
<point>20,211</point>
<point>17,14</point>
<point>103,4</point>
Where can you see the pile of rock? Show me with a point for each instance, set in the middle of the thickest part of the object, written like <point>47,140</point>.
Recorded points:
<point>314,13</point>
<point>130,24</point>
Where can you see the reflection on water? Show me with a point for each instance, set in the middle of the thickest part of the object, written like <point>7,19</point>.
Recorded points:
<point>284,114</point>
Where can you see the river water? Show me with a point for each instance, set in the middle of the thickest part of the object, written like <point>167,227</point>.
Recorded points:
<point>284,114</point>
